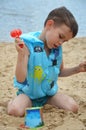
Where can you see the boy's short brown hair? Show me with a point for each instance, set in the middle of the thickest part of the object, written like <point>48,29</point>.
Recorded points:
<point>63,16</point>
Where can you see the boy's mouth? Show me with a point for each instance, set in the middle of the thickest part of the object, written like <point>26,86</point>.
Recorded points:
<point>55,46</point>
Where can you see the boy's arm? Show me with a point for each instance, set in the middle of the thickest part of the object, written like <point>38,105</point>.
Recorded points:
<point>64,72</point>
<point>22,61</point>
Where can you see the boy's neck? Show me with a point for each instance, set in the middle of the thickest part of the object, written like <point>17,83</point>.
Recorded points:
<point>47,50</point>
<point>42,38</point>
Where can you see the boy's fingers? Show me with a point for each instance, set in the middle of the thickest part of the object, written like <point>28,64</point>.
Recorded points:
<point>17,40</point>
<point>19,43</point>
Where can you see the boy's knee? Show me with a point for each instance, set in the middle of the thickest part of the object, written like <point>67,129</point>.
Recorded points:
<point>73,107</point>
<point>14,110</point>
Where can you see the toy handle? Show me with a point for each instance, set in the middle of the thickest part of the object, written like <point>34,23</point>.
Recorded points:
<point>16,34</point>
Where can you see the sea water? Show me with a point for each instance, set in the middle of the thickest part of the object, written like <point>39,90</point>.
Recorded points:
<point>29,15</point>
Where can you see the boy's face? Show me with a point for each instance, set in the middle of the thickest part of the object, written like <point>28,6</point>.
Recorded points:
<point>56,35</point>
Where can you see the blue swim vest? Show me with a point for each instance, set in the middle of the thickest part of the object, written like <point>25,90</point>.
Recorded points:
<point>42,70</point>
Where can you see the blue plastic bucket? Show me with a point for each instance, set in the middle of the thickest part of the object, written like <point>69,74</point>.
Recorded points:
<point>34,117</point>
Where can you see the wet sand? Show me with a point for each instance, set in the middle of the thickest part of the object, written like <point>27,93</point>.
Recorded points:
<point>74,52</point>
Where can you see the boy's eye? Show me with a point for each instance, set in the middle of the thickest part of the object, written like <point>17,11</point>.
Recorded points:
<point>62,37</point>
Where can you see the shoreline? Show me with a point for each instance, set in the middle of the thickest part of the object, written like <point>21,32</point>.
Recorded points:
<point>80,37</point>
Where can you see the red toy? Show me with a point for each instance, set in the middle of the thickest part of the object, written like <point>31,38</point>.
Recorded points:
<point>16,34</point>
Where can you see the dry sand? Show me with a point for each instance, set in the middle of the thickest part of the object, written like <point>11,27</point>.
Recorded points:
<point>74,52</point>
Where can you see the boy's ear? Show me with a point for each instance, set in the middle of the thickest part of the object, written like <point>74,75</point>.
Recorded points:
<point>49,23</point>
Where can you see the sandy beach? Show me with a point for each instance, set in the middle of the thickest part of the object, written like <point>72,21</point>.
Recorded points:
<point>74,52</point>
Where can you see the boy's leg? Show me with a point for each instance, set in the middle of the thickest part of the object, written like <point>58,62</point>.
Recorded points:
<point>64,102</point>
<point>17,106</point>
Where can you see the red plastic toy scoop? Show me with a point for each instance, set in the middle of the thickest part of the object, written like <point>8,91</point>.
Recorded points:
<point>16,34</point>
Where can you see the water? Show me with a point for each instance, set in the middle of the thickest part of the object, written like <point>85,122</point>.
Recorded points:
<point>29,15</point>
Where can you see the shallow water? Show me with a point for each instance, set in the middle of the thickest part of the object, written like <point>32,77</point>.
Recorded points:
<point>30,15</point>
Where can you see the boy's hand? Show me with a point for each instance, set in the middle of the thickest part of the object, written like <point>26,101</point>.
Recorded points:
<point>20,47</point>
<point>82,67</point>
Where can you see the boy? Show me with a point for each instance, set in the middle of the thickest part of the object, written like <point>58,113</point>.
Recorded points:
<point>40,63</point>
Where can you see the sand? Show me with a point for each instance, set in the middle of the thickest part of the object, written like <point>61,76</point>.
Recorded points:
<point>74,52</point>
